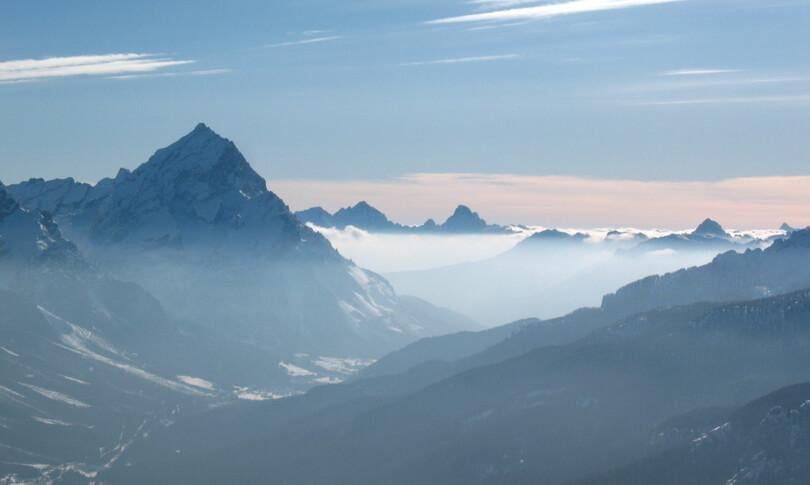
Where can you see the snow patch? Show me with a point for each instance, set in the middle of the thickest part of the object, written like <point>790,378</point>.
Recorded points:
<point>328,380</point>
<point>77,340</point>
<point>196,382</point>
<point>51,422</point>
<point>341,365</point>
<point>295,371</point>
<point>9,352</point>
<point>248,394</point>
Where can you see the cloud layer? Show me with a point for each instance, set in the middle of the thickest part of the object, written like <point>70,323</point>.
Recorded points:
<point>742,203</point>
<point>27,70</point>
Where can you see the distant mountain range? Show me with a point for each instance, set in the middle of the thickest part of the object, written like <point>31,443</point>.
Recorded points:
<point>731,276</point>
<point>364,216</point>
<point>781,268</point>
<point>552,272</point>
<point>708,236</point>
<point>549,411</point>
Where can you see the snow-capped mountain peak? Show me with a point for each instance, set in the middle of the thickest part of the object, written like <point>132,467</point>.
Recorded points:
<point>202,157</point>
<point>200,189</point>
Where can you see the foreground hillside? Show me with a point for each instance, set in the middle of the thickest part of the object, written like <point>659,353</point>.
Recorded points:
<point>552,414</point>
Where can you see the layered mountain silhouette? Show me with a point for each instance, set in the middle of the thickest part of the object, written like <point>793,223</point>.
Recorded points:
<point>550,415</point>
<point>708,234</point>
<point>783,267</point>
<point>730,276</point>
<point>364,216</point>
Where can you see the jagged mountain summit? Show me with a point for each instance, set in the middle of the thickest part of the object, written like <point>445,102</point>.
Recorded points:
<point>709,234</point>
<point>787,228</point>
<point>197,227</point>
<point>710,228</point>
<point>31,237</point>
<point>464,220</point>
<point>365,216</point>
<point>199,191</point>
<point>361,215</point>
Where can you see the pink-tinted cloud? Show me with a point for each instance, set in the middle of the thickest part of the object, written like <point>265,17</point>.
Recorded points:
<point>742,203</point>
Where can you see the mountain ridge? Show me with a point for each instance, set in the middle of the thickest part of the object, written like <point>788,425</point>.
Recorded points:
<point>197,211</point>
<point>364,216</point>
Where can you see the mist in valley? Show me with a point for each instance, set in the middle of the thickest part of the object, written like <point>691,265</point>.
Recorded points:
<point>485,277</point>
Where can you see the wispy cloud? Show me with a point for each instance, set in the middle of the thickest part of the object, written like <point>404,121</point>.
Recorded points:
<point>494,26</point>
<point>26,70</point>
<point>783,99</point>
<point>308,40</point>
<point>698,72</point>
<point>549,10</point>
<point>501,4</point>
<point>709,82</point>
<point>742,203</point>
<point>199,72</point>
<point>464,60</point>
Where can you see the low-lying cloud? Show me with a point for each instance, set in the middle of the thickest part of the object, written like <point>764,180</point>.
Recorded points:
<point>384,252</point>
<point>482,277</point>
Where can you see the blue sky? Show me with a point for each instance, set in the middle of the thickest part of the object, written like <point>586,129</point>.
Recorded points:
<point>695,90</point>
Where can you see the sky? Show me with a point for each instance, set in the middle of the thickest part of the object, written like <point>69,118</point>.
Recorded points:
<point>651,112</point>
